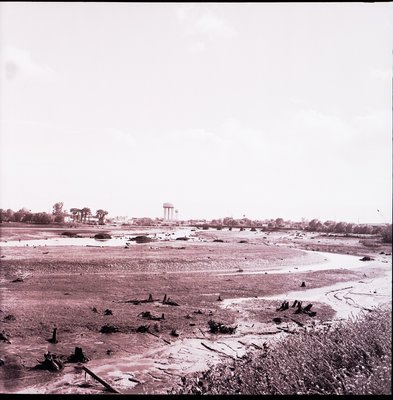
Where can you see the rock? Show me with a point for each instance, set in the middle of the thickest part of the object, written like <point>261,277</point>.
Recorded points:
<point>102,236</point>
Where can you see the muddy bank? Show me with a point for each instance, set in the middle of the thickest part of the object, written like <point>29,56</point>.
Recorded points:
<point>62,289</point>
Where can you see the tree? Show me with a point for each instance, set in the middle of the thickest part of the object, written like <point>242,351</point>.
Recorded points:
<point>85,212</point>
<point>28,217</point>
<point>58,212</point>
<point>279,222</point>
<point>19,215</point>
<point>315,225</point>
<point>340,227</point>
<point>42,218</point>
<point>76,214</point>
<point>100,214</point>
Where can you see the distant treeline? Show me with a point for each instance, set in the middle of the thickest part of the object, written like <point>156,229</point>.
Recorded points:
<point>314,225</point>
<point>81,215</point>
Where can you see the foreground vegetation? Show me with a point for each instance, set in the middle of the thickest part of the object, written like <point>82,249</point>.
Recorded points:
<point>354,358</point>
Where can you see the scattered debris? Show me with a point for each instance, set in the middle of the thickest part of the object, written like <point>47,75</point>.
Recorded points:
<point>174,333</point>
<point>143,328</point>
<point>134,380</point>
<point>297,322</point>
<point>109,329</point>
<point>136,302</point>
<point>217,351</point>
<point>284,306</point>
<point>169,302</point>
<point>4,337</point>
<point>78,356</point>
<point>148,315</point>
<point>52,362</point>
<point>217,327</point>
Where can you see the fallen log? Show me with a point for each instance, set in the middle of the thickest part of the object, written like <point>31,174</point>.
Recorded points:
<point>97,378</point>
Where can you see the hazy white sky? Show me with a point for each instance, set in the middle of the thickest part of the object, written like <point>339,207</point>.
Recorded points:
<point>264,110</point>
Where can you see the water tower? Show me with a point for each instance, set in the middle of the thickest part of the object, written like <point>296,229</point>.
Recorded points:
<point>168,211</point>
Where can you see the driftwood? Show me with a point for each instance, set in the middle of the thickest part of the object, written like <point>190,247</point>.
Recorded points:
<point>217,351</point>
<point>97,378</point>
<point>297,322</point>
<point>169,302</point>
<point>308,307</point>
<point>284,306</point>
<point>151,333</point>
<point>51,362</point>
<point>136,302</point>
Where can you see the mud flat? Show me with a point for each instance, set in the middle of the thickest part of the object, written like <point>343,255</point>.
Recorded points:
<point>237,284</point>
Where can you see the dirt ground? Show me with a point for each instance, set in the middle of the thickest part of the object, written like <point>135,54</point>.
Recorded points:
<point>237,278</point>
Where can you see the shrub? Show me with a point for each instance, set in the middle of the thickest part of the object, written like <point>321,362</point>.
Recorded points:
<point>353,358</point>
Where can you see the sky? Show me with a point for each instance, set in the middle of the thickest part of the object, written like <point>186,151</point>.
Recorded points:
<point>262,110</point>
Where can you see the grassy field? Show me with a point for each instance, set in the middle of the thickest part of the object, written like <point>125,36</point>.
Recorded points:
<point>353,358</point>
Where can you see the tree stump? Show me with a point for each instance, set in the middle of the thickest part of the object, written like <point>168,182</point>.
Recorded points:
<point>53,339</point>
<point>78,356</point>
<point>303,284</point>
